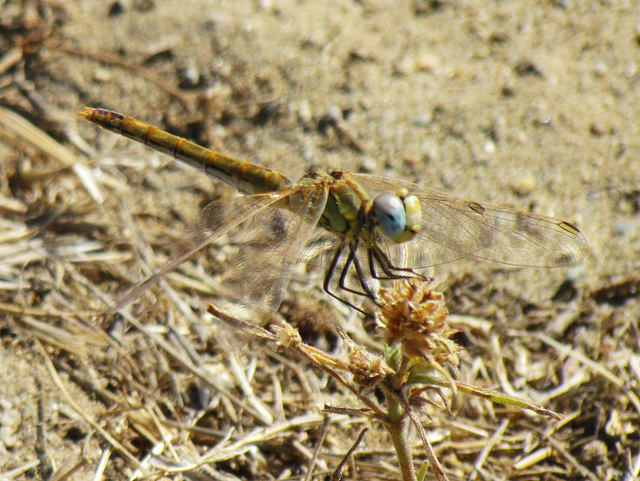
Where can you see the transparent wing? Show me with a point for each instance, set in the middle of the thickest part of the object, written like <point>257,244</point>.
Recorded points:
<point>215,220</point>
<point>273,242</point>
<point>453,228</point>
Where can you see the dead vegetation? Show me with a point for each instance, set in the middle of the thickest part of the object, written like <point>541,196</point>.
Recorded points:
<point>162,391</point>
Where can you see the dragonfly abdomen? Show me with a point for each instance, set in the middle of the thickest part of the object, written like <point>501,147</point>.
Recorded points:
<point>243,176</point>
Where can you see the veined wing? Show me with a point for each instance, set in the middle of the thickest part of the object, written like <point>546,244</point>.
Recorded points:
<point>453,228</point>
<point>274,241</point>
<point>217,218</point>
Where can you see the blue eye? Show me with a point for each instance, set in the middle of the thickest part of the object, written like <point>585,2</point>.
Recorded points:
<point>390,214</point>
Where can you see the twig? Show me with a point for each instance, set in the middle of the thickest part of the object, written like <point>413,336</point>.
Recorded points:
<point>316,451</point>
<point>185,98</point>
<point>596,367</point>
<point>493,440</point>
<point>35,137</point>
<point>337,474</point>
<point>63,390</point>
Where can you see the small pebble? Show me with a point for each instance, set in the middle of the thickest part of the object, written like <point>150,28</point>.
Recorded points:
<point>426,62</point>
<point>190,76</point>
<point>489,146</point>
<point>304,112</point>
<point>525,185</point>
<point>102,75</point>
<point>11,418</point>
<point>600,68</point>
<point>117,8</point>
<point>368,165</point>
<point>420,63</point>
<point>597,129</point>
<point>9,425</point>
<point>8,438</point>
<point>423,119</point>
<point>595,452</point>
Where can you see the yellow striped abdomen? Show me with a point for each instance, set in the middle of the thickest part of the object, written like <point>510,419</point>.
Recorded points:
<point>243,176</point>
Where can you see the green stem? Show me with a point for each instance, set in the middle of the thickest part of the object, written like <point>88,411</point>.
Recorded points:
<point>398,427</point>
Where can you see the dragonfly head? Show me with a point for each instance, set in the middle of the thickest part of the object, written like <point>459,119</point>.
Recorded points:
<point>397,216</point>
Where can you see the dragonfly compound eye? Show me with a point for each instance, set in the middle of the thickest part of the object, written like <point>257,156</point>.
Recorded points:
<point>390,214</point>
<point>413,211</point>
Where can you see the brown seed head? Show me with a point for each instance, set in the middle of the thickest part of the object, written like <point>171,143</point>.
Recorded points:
<point>414,315</point>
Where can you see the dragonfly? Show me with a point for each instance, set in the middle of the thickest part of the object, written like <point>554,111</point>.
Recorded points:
<point>375,227</point>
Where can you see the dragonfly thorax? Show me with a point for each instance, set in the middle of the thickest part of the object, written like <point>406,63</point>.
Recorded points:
<point>351,213</point>
<point>344,204</point>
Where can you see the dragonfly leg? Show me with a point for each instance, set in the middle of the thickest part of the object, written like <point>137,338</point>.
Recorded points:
<point>377,255</point>
<point>353,259</point>
<point>326,285</point>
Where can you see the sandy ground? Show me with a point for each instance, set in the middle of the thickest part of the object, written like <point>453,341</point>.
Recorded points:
<point>532,105</point>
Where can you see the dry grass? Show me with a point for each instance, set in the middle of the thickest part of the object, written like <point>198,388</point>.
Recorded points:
<point>160,392</point>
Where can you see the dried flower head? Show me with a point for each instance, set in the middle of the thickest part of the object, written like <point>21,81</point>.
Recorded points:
<point>368,369</point>
<point>414,315</point>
